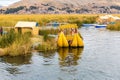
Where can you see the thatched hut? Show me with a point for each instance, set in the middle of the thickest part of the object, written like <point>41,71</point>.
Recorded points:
<point>25,26</point>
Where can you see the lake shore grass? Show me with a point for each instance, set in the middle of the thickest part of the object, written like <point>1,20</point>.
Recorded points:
<point>15,44</point>
<point>115,27</point>
<point>10,20</point>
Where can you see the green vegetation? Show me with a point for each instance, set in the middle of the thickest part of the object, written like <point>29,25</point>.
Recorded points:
<point>20,46</point>
<point>47,45</point>
<point>8,39</point>
<point>48,31</point>
<point>13,10</point>
<point>115,7</point>
<point>15,44</point>
<point>49,41</point>
<point>45,33</point>
<point>115,26</point>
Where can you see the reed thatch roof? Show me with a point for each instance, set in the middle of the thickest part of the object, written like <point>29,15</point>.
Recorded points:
<point>26,24</point>
<point>68,26</point>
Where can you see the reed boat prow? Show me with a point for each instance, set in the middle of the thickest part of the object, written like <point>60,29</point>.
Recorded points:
<point>69,36</point>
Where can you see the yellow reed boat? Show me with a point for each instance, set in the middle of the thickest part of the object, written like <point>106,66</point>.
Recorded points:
<point>69,36</point>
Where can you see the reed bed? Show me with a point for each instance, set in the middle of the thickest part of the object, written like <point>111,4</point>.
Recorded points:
<point>10,20</point>
<point>115,26</point>
<point>18,44</point>
<point>15,44</point>
<point>47,45</point>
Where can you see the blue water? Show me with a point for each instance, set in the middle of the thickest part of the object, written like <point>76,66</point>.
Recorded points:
<point>98,60</point>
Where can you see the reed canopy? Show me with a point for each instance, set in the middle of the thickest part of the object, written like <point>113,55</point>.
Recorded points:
<point>68,26</point>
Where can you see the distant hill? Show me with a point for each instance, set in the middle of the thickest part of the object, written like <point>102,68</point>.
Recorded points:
<point>62,6</point>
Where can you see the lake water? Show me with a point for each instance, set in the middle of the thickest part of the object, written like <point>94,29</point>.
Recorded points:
<point>98,60</point>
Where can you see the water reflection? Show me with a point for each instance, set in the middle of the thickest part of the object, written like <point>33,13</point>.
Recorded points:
<point>69,56</point>
<point>47,54</point>
<point>18,60</point>
<point>48,57</point>
<point>14,70</point>
<point>12,64</point>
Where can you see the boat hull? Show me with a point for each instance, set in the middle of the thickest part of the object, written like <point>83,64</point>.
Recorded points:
<point>75,41</point>
<point>100,26</point>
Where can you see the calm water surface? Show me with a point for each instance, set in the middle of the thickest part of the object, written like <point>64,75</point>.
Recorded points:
<point>99,60</point>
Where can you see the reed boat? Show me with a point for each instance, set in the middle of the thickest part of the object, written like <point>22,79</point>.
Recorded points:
<point>69,36</point>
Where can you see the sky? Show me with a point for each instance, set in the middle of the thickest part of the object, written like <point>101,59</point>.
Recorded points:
<point>7,2</point>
